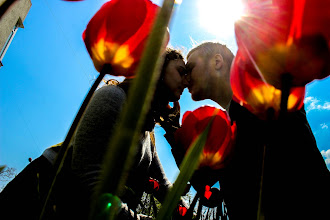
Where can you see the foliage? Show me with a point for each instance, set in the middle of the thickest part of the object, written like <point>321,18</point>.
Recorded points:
<point>187,168</point>
<point>118,158</point>
<point>139,97</point>
<point>146,206</point>
<point>6,174</point>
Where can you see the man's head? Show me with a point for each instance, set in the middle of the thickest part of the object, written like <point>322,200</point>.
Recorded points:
<point>208,67</point>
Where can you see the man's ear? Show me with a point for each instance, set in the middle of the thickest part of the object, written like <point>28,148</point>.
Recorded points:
<point>218,61</point>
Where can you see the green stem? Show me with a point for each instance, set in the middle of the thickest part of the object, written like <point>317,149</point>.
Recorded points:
<point>187,168</point>
<point>150,205</point>
<point>59,161</point>
<point>285,88</point>
<point>199,210</point>
<point>121,147</point>
<point>260,214</point>
<point>190,211</point>
<point>154,207</point>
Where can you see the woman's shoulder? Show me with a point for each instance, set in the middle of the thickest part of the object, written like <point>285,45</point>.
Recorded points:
<point>113,89</point>
<point>110,91</point>
<point>108,96</point>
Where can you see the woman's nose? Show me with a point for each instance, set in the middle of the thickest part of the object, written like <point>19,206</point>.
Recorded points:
<point>186,80</point>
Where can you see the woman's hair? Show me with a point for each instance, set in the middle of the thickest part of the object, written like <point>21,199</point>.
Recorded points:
<point>160,103</point>
<point>162,94</point>
<point>170,54</point>
<point>159,106</point>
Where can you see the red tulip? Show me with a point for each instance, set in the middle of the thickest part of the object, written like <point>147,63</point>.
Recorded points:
<point>182,210</point>
<point>154,183</point>
<point>286,36</point>
<point>117,34</point>
<point>212,197</point>
<point>152,186</point>
<point>255,94</point>
<point>219,143</point>
<point>207,193</point>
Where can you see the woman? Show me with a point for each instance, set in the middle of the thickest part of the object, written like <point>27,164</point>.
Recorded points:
<point>96,127</point>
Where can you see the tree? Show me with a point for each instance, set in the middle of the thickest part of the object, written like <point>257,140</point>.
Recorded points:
<point>147,207</point>
<point>6,175</point>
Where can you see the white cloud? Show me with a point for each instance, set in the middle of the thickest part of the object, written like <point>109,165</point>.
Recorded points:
<point>326,155</point>
<point>313,103</point>
<point>324,126</point>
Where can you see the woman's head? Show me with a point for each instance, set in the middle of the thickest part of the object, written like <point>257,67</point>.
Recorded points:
<point>172,82</point>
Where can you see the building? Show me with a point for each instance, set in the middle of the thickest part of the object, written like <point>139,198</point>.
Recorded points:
<point>10,22</point>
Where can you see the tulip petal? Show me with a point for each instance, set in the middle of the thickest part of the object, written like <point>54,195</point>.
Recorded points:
<point>117,34</point>
<point>258,96</point>
<point>219,139</point>
<point>295,39</point>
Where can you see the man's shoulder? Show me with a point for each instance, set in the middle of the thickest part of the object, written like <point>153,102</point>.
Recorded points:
<point>238,111</point>
<point>241,113</point>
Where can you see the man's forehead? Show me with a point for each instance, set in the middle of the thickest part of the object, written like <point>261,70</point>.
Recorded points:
<point>193,56</point>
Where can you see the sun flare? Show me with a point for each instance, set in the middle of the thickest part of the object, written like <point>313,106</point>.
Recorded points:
<point>218,16</point>
<point>178,2</point>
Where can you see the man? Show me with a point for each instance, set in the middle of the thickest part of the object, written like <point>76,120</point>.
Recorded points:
<point>208,67</point>
<point>277,171</point>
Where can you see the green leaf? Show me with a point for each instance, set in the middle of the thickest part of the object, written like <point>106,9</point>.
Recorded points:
<point>187,168</point>
<point>122,145</point>
<point>62,154</point>
<point>2,168</point>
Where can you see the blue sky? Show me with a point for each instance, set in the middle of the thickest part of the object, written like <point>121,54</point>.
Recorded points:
<point>47,72</point>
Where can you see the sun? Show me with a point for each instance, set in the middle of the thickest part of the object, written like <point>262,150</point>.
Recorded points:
<point>218,16</point>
